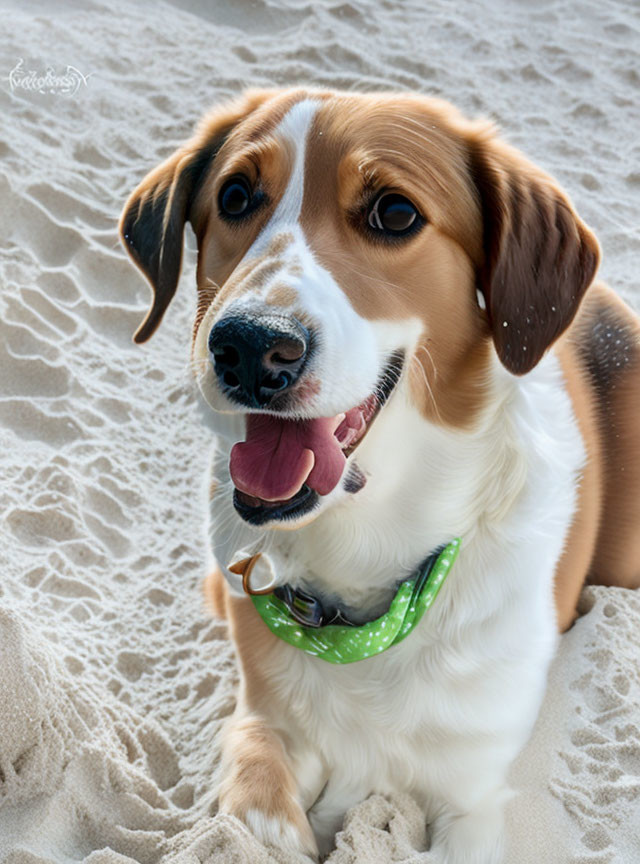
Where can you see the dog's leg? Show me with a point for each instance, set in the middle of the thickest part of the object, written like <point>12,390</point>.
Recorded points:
<point>472,837</point>
<point>258,786</point>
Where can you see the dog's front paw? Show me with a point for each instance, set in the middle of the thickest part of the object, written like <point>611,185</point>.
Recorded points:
<point>283,825</point>
<point>289,831</point>
<point>259,788</point>
<point>476,837</point>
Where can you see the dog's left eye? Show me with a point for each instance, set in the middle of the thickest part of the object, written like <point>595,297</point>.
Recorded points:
<point>394,214</point>
<point>235,197</point>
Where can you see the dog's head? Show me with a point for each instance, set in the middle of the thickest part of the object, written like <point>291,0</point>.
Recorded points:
<point>346,243</point>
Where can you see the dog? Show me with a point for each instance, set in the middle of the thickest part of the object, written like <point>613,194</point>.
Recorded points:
<point>420,396</point>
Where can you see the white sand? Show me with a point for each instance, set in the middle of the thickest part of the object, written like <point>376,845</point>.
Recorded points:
<point>113,680</point>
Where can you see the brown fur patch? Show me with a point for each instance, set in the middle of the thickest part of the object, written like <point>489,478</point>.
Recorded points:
<point>281,295</point>
<point>280,243</point>
<point>215,593</point>
<point>309,387</point>
<point>206,296</point>
<point>260,275</point>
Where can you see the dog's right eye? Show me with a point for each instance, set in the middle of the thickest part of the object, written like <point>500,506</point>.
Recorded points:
<point>234,198</point>
<point>394,215</point>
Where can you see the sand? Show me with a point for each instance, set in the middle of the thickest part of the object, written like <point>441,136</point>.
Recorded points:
<point>114,681</point>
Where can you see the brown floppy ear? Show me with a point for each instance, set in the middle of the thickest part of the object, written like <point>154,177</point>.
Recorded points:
<point>153,219</point>
<point>539,257</point>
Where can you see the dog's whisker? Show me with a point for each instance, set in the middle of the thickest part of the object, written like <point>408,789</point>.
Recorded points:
<point>423,374</point>
<point>430,356</point>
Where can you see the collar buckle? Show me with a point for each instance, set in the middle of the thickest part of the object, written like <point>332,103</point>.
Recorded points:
<point>304,608</point>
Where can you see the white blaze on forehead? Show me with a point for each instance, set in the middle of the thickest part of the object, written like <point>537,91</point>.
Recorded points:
<point>294,129</point>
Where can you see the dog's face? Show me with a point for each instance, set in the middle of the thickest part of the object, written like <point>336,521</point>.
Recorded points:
<point>351,246</point>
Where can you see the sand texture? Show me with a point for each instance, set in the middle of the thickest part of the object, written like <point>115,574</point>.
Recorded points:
<point>114,681</point>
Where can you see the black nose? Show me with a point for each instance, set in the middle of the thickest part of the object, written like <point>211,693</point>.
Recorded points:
<point>258,357</point>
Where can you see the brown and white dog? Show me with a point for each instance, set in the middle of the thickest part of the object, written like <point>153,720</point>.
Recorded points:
<point>355,250</point>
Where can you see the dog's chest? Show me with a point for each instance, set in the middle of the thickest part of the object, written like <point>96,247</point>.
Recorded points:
<point>436,685</point>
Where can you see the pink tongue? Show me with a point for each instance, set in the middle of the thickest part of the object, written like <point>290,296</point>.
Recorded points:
<point>279,456</point>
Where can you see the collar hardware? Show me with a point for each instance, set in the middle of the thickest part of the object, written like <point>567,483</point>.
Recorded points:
<point>244,568</point>
<point>304,608</point>
<point>300,619</point>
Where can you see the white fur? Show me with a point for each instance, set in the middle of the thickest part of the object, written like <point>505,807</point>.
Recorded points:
<point>294,130</point>
<point>443,714</point>
<point>275,832</point>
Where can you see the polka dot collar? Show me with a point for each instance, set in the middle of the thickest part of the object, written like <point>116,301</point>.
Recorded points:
<point>346,644</point>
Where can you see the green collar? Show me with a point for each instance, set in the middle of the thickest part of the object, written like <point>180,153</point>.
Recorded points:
<point>339,644</point>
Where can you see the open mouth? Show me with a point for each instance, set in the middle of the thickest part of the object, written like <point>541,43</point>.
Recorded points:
<point>284,465</point>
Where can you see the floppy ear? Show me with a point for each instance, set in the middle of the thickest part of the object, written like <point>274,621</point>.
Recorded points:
<point>153,219</point>
<point>539,257</point>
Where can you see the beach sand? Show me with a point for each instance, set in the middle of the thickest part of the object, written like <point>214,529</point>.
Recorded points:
<point>114,680</point>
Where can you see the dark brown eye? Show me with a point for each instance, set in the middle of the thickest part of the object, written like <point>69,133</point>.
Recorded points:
<point>393,214</point>
<point>235,197</point>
